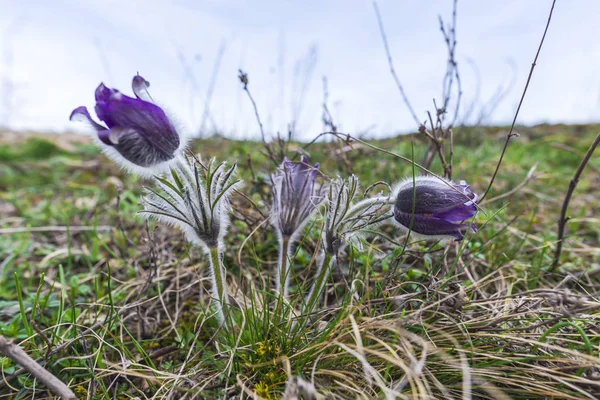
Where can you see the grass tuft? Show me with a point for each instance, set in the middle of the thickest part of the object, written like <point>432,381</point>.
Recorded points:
<point>118,308</point>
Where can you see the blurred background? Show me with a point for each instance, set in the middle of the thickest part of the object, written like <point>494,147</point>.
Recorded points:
<point>54,54</point>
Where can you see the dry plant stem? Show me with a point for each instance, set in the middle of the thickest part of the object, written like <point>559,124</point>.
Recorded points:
<point>452,70</point>
<point>451,134</point>
<point>15,353</point>
<point>219,285</point>
<point>512,127</point>
<point>244,79</point>
<point>565,206</point>
<point>319,284</point>
<point>348,138</point>
<point>438,147</point>
<point>391,64</point>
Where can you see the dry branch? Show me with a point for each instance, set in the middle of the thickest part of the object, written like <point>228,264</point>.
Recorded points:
<point>15,353</point>
<point>565,207</point>
<point>511,134</point>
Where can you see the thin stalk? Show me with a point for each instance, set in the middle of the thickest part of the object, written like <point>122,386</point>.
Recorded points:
<point>219,286</point>
<point>286,248</point>
<point>565,207</point>
<point>512,127</point>
<point>283,266</point>
<point>319,284</point>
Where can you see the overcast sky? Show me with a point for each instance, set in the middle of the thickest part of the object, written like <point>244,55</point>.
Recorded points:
<point>53,54</point>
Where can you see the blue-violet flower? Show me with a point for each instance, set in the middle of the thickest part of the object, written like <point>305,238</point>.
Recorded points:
<point>138,134</point>
<point>437,208</point>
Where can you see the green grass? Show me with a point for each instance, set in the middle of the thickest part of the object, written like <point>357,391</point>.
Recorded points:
<point>118,308</point>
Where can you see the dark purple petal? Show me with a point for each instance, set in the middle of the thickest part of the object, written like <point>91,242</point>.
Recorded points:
<point>438,206</point>
<point>147,119</point>
<point>430,198</point>
<point>81,114</point>
<point>140,88</point>
<point>430,226</point>
<point>103,94</point>
<point>457,214</point>
<point>104,136</point>
<point>139,130</point>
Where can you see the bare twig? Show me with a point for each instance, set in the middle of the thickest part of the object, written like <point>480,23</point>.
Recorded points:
<point>15,353</point>
<point>572,150</point>
<point>327,118</point>
<point>563,213</point>
<point>43,336</point>
<point>391,64</point>
<point>244,80</point>
<point>512,127</point>
<point>438,133</point>
<point>452,71</point>
<point>349,139</point>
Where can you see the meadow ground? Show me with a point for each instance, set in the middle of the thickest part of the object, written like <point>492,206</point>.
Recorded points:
<point>118,307</point>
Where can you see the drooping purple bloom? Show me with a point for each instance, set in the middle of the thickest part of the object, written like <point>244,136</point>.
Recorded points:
<point>136,128</point>
<point>438,208</point>
<point>296,195</point>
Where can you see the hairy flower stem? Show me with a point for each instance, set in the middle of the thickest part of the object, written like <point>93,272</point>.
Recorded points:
<point>286,248</point>
<point>319,284</point>
<point>219,286</point>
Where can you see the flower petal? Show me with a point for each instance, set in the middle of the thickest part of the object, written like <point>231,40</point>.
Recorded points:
<point>105,137</point>
<point>140,88</point>
<point>81,114</point>
<point>430,226</point>
<point>145,118</point>
<point>103,94</point>
<point>457,214</point>
<point>431,198</point>
<point>295,196</point>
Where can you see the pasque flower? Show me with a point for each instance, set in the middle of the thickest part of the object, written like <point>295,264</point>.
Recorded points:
<point>296,196</point>
<point>345,222</point>
<point>196,199</point>
<point>437,209</point>
<point>138,134</point>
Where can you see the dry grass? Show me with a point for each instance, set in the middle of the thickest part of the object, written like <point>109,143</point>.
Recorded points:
<point>122,312</point>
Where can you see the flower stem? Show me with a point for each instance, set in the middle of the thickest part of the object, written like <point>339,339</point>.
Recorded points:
<point>283,266</point>
<point>219,286</point>
<point>319,284</point>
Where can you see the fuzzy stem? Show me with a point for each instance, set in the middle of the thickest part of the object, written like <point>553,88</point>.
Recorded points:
<point>318,286</point>
<point>286,247</point>
<point>219,286</point>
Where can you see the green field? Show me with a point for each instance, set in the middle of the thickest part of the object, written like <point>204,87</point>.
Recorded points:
<point>118,307</point>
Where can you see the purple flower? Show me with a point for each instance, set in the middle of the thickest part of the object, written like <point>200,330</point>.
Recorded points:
<point>295,196</point>
<point>438,207</point>
<point>137,130</point>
